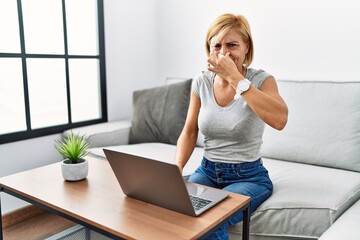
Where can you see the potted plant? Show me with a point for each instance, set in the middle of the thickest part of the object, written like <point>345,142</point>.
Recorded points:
<point>73,148</point>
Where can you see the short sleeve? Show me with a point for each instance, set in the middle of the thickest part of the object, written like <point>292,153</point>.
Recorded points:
<point>202,83</point>
<point>195,85</point>
<point>257,77</point>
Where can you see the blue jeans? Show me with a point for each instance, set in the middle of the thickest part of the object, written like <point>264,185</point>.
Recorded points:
<point>248,178</point>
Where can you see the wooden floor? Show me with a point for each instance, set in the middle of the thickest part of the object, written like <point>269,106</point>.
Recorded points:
<point>38,227</point>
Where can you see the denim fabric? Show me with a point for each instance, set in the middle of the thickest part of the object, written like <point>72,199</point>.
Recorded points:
<point>248,178</point>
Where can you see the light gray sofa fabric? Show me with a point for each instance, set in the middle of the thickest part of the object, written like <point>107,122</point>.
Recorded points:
<point>306,201</point>
<point>323,125</point>
<point>158,151</point>
<point>159,113</point>
<point>104,134</point>
<point>347,227</point>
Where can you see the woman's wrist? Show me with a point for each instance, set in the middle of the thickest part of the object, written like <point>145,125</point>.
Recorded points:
<point>234,80</point>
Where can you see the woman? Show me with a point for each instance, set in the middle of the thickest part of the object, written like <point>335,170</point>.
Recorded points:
<point>230,104</point>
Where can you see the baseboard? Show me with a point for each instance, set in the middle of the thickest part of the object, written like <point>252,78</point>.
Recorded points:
<point>21,214</point>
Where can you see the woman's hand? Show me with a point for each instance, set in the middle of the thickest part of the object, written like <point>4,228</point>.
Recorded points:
<point>224,67</point>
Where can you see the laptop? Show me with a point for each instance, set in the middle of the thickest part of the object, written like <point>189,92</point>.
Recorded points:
<point>161,184</point>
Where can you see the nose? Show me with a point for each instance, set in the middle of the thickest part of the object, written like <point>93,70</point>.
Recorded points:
<point>223,50</point>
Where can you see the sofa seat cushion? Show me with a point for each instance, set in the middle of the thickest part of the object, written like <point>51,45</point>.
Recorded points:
<point>346,227</point>
<point>307,199</point>
<point>158,151</point>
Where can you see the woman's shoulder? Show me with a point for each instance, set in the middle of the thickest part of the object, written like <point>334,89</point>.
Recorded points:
<point>257,76</point>
<point>204,78</point>
<point>255,73</point>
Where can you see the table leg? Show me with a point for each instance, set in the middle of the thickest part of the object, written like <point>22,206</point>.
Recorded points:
<point>1,225</point>
<point>246,224</point>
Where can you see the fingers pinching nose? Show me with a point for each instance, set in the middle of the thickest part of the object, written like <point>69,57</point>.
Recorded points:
<point>210,66</point>
<point>213,55</point>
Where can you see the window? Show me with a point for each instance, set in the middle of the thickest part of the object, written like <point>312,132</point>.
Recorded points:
<point>52,66</point>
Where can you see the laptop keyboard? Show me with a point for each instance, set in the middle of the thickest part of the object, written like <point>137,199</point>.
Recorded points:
<point>199,202</point>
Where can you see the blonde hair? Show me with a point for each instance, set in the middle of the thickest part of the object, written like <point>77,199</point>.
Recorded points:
<point>226,22</point>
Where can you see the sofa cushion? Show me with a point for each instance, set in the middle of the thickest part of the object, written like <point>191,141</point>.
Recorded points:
<point>159,113</point>
<point>346,227</point>
<point>306,201</point>
<point>158,151</point>
<point>323,125</point>
<point>104,134</point>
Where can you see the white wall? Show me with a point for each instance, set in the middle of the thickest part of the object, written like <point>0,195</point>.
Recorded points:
<point>131,52</point>
<point>298,40</point>
<point>21,156</point>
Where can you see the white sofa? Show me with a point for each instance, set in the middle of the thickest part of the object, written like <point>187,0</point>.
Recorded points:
<point>314,162</point>
<point>346,226</point>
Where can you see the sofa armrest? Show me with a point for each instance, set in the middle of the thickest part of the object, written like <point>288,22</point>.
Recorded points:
<point>346,226</point>
<point>104,134</point>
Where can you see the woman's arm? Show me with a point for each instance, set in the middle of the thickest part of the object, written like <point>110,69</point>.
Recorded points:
<point>268,104</point>
<point>187,139</point>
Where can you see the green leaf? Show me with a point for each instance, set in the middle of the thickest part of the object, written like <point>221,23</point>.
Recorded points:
<point>73,147</point>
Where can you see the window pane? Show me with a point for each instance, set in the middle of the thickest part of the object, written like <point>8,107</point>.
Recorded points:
<point>47,92</point>
<point>85,89</point>
<point>9,27</point>
<point>43,26</point>
<point>82,31</point>
<point>12,106</point>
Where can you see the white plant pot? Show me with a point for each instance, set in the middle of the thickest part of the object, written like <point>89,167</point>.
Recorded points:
<point>75,172</point>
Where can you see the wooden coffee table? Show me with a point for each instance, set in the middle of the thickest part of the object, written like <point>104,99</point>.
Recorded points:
<point>98,203</point>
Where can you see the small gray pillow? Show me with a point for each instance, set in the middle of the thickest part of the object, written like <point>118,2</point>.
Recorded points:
<point>159,113</point>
